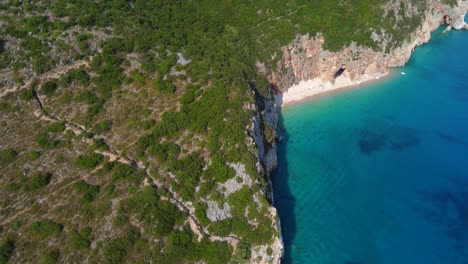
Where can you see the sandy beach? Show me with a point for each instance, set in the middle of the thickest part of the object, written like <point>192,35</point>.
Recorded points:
<point>312,88</point>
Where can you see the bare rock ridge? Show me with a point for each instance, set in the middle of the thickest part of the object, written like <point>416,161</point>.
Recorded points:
<point>306,59</point>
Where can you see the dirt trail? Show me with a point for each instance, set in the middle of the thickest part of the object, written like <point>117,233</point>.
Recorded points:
<point>279,17</point>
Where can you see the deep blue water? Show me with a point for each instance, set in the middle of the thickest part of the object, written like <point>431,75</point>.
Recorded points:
<point>379,174</point>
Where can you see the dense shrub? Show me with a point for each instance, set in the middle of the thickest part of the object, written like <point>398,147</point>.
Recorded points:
<point>165,151</point>
<point>56,127</point>
<point>213,252</point>
<point>218,170</point>
<point>88,191</point>
<point>243,253</point>
<point>34,155</point>
<point>39,180</point>
<point>7,156</point>
<point>44,141</point>
<point>103,126</point>
<point>49,87</point>
<point>98,143</point>
<point>51,257</point>
<point>126,172</point>
<point>81,240</point>
<point>200,213</point>
<point>160,215</point>
<point>27,94</point>
<point>117,250</point>
<point>45,228</point>
<point>6,250</point>
<point>89,161</point>
<point>80,76</point>
<point>88,97</point>
<point>147,124</point>
<point>164,86</point>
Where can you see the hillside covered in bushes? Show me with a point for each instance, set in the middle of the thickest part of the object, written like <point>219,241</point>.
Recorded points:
<point>130,129</point>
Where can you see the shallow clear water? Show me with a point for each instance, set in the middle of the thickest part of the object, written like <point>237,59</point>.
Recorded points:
<point>380,174</point>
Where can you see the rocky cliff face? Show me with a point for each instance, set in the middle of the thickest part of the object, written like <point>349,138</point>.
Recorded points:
<point>266,114</point>
<point>306,59</point>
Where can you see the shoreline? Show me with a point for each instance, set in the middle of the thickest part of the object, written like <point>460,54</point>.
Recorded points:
<point>315,88</point>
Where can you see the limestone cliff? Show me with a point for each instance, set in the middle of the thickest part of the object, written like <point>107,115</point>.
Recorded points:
<point>266,119</point>
<point>306,59</point>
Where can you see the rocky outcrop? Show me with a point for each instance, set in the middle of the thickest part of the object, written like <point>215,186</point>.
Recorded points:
<point>306,59</point>
<point>214,213</point>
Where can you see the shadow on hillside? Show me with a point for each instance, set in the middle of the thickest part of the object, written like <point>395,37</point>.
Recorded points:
<point>284,201</point>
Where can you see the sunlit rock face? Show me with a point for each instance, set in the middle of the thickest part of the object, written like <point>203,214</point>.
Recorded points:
<point>306,59</point>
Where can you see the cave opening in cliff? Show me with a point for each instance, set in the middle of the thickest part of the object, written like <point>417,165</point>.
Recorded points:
<point>340,71</point>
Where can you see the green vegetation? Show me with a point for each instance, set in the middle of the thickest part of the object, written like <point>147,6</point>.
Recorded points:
<point>7,156</point>
<point>125,172</point>
<point>450,2</point>
<point>103,126</point>
<point>56,127</point>
<point>218,170</point>
<point>34,155</point>
<point>49,88</point>
<point>80,76</point>
<point>160,216</point>
<point>50,257</point>
<point>243,253</point>
<point>27,94</point>
<point>164,86</point>
<point>88,191</point>
<point>89,161</point>
<point>269,134</point>
<point>44,229</point>
<point>81,240</point>
<point>45,141</point>
<point>39,180</point>
<point>6,249</point>
<point>117,249</point>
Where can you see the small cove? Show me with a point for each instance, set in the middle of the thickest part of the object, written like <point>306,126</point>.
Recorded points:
<point>379,174</point>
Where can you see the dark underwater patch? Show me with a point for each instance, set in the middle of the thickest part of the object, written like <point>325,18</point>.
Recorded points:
<point>447,137</point>
<point>403,141</point>
<point>384,133</point>
<point>370,142</point>
<point>449,209</point>
<point>451,139</point>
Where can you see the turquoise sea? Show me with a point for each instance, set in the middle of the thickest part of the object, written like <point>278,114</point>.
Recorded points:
<point>379,174</point>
